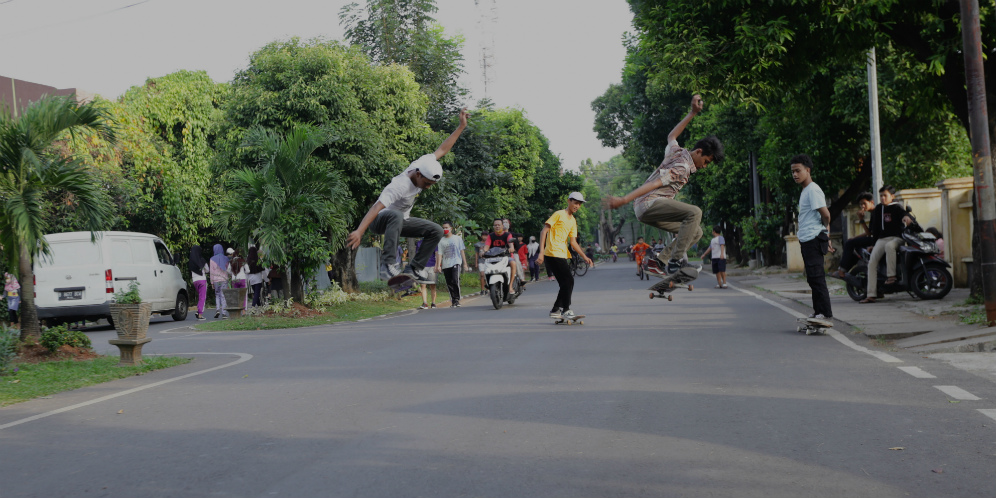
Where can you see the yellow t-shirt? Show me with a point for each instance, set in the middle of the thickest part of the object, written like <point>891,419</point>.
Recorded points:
<point>562,227</point>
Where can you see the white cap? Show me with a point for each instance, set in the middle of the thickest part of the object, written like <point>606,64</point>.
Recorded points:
<point>429,167</point>
<point>230,251</point>
<point>576,196</point>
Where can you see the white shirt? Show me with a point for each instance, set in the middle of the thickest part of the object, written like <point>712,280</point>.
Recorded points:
<point>716,246</point>
<point>810,221</point>
<point>203,276</point>
<point>400,194</point>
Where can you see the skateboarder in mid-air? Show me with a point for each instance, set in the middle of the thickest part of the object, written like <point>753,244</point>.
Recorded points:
<point>390,214</point>
<point>654,202</point>
<point>559,231</point>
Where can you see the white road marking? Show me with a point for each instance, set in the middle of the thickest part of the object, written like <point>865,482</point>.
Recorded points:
<point>841,338</point>
<point>958,393</point>
<point>917,372</point>
<point>243,357</point>
<point>989,412</point>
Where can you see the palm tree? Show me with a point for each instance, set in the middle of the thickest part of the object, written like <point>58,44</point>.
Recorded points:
<point>31,169</point>
<point>294,206</point>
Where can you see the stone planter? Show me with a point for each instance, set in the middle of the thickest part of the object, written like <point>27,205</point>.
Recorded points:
<point>131,322</point>
<point>235,299</point>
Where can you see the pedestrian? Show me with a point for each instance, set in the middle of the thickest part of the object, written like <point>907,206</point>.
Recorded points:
<point>12,291</point>
<point>428,284</point>
<point>199,271</point>
<point>717,246</point>
<point>654,203</point>
<point>532,252</point>
<point>220,275</point>
<point>276,277</point>
<point>450,257</point>
<point>887,222</point>
<point>938,239</point>
<point>255,276</point>
<point>523,252</point>
<point>814,235</point>
<point>391,214</point>
<point>852,245</point>
<point>238,268</point>
<point>558,232</point>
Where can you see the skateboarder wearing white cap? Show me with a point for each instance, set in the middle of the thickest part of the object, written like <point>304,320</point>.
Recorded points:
<point>562,230</point>
<point>390,215</point>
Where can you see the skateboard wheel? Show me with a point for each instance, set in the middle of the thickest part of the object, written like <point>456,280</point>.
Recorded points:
<point>580,322</point>
<point>670,285</point>
<point>670,297</point>
<point>651,295</point>
<point>690,287</point>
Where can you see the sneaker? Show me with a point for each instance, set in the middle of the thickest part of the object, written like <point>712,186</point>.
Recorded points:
<point>424,306</point>
<point>552,279</point>
<point>665,255</point>
<point>419,275</point>
<point>217,314</point>
<point>568,315</point>
<point>819,316</point>
<point>655,270</point>
<point>388,272</point>
<point>226,316</point>
<point>432,306</point>
<point>556,314</point>
<point>456,304</point>
<point>199,316</point>
<point>484,292</point>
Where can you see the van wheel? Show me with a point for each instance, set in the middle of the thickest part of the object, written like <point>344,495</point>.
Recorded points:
<point>180,312</point>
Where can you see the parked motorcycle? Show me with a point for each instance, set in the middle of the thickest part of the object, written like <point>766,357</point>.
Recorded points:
<point>920,271</point>
<point>503,283</point>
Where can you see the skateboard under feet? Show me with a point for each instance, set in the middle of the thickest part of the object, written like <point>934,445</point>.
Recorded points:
<point>569,321</point>
<point>812,326</point>
<point>402,284</point>
<point>680,279</point>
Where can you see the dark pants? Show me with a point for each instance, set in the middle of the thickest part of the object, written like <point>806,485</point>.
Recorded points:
<point>257,294</point>
<point>561,269</point>
<point>452,275</point>
<point>12,314</point>
<point>812,257</point>
<point>849,259</point>
<point>534,271</point>
<point>393,225</point>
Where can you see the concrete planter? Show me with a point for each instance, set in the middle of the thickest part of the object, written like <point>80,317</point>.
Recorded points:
<point>235,299</point>
<point>131,322</point>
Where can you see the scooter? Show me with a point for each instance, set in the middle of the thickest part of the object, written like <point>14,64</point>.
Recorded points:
<point>503,283</point>
<point>920,271</point>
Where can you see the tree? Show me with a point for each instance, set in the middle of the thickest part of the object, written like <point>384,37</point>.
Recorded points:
<point>404,32</point>
<point>551,186</point>
<point>30,169</point>
<point>294,206</point>
<point>373,114</point>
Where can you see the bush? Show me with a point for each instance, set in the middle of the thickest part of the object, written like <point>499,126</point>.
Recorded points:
<point>324,300</point>
<point>131,296</point>
<point>56,337</point>
<point>9,339</point>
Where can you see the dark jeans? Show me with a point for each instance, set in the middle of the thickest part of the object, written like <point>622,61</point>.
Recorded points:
<point>452,275</point>
<point>812,257</point>
<point>534,271</point>
<point>257,297</point>
<point>561,269</point>
<point>849,259</point>
<point>393,225</point>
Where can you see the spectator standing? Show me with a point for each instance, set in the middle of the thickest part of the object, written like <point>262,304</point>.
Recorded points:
<point>717,246</point>
<point>532,252</point>
<point>449,257</point>
<point>219,279</point>
<point>238,268</point>
<point>276,282</point>
<point>814,235</point>
<point>12,291</point>
<point>255,276</point>
<point>199,271</point>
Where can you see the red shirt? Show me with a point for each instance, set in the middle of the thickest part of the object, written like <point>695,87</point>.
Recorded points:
<point>524,255</point>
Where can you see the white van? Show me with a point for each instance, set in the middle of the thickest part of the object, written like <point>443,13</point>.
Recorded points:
<point>79,279</point>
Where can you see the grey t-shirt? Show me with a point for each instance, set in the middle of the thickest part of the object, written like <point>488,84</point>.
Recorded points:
<point>810,222</point>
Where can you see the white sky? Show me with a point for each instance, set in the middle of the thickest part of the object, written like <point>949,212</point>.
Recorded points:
<point>552,57</point>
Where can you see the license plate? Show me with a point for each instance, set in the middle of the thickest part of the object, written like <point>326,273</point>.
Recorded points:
<point>70,295</point>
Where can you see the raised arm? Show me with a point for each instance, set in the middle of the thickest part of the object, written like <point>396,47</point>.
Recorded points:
<point>447,144</point>
<point>680,127</point>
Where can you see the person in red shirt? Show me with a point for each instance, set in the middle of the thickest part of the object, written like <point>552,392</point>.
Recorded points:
<point>640,251</point>
<point>523,258</point>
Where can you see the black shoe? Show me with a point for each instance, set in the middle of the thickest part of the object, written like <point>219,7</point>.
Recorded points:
<point>217,314</point>
<point>456,304</point>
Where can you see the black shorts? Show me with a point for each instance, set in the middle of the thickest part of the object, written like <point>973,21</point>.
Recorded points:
<point>718,265</point>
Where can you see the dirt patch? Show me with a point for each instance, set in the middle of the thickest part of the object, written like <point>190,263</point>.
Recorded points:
<point>36,353</point>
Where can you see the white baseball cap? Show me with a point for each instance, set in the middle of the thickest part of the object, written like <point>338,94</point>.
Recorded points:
<point>429,167</point>
<point>230,251</point>
<point>576,196</point>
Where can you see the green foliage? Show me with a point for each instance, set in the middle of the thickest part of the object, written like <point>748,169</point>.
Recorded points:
<point>130,296</point>
<point>762,232</point>
<point>326,300</point>
<point>551,186</point>
<point>9,341</point>
<point>55,337</point>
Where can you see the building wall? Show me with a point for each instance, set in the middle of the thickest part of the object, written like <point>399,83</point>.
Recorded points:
<point>16,95</point>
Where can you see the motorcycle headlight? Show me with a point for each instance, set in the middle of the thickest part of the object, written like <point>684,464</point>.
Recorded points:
<point>927,246</point>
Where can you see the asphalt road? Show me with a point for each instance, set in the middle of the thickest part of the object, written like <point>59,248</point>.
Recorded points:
<point>714,394</point>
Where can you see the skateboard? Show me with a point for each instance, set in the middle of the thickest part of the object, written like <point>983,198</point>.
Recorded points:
<point>678,280</point>
<point>812,326</point>
<point>577,318</point>
<point>402,284</point>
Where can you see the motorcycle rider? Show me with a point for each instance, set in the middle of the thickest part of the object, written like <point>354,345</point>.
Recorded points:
<point>501,238</point>
<point>847,260</point>
<point>887,222</point>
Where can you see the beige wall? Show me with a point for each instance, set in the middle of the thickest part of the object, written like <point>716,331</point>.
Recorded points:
<point>926,204</point>
<point>956,214</point>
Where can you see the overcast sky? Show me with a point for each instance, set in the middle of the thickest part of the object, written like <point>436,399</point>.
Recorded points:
<point>551,57</point>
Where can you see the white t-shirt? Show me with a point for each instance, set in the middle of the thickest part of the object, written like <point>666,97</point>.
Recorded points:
<point>400,194</point>
<point>448,251</point>
<point>810,221</point>
<point>715,245</point>
<point>203,276</point>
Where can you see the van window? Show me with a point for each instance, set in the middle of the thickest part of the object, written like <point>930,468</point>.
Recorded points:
<point>140,251</point>
<point>163,253</point>
<point>121,252</point>
<point>71,253</point>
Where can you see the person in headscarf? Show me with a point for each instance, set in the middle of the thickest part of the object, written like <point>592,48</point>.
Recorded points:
<point>219,278</point>
<point>11,289</point>
<point>255,276</point>
<point>198,275</point>
<point>533,252</point>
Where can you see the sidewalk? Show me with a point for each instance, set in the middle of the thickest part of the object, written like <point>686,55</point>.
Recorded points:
<point>899,321</point>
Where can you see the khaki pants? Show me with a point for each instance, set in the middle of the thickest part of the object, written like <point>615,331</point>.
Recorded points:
<point>678,218</point>
<point>886,246</point>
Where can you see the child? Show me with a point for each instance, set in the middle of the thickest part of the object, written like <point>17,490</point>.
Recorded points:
<point>639,252</point>
<point>717,246</point>
<point>563,230</point>
<point>11,290</point>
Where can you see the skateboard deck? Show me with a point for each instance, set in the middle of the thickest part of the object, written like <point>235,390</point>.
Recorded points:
<point>577,318</point>
<point>401,283</point>
<point>678,280</point>
<point>812,326</point>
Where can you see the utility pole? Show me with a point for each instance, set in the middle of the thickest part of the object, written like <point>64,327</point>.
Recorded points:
<point>876,142</point>
<point>982,164</point>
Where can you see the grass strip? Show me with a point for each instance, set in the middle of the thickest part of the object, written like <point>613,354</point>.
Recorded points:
<point>351,311</point>
<point>41,379</point>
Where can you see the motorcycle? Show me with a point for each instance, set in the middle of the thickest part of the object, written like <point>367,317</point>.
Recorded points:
<point>503,283</point>
<point>920,271</point>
